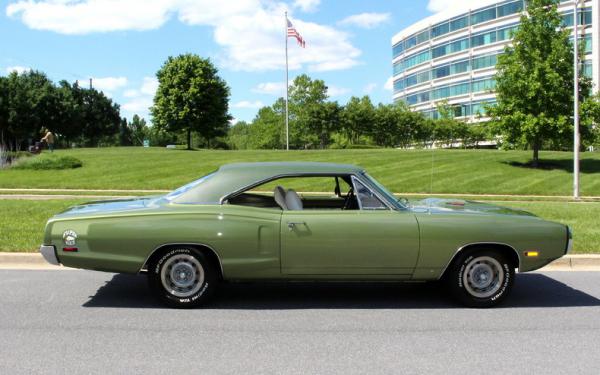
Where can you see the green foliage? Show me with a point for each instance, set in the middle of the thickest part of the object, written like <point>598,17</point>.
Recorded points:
<point>318,123</point>
<point>311,118</point>
<point>48,162</point>
<point>30,101</point>
<point>535,82</point>
<point>358,117</point>
<point>191,97</point>
<point>590,118</point>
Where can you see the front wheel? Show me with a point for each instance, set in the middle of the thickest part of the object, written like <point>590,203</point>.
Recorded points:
<point>182,278</point>
<point>481,278</point>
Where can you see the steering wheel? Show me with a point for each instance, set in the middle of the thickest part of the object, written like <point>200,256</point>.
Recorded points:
<point>348,199</point>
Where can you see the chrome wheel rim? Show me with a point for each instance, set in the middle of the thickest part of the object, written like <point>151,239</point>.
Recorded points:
<point>483,277</point>
<point>182,275</point>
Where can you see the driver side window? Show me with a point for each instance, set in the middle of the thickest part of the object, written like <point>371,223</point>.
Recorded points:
<point>366,198</point>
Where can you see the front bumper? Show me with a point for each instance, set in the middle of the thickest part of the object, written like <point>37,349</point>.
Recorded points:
<point>49,253</point>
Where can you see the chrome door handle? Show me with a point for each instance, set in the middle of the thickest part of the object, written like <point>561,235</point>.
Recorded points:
<point>292,225</point>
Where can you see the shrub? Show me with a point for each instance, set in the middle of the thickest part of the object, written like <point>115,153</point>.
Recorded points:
<point>48,162</point>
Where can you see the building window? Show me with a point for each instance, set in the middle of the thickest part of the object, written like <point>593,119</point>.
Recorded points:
<point>483,16</point>
<point>484,61</point>
<point>510,8</point>
<point>483,39</point>
<point>483,85</point>
<point>441,29</point>
<point>459,23</point>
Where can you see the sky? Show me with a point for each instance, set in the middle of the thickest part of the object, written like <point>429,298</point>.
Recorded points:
<point>121,44</point>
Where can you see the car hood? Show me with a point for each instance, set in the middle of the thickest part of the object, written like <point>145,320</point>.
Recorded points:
<point>458,206</point>
<point>110,206</point>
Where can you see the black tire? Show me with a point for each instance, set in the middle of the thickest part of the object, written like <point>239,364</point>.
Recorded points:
<point>182,277</point>
<point>481,278</point>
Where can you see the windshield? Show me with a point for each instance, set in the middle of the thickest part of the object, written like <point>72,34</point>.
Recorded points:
<point>382,190</point>
<point>175,193</point>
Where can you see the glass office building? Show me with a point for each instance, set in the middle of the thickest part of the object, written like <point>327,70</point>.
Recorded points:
<point>452,57</point>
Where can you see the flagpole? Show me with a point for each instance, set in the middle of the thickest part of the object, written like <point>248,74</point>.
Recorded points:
<point>287,91</point>
<point>576,135</point>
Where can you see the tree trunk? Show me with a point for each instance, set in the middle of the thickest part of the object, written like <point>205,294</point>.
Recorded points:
<point>189,139</point>
<point>536,155</point>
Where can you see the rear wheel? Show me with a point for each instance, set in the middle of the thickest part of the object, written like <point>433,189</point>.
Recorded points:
<point>481,278</point>
<point>182,278</point>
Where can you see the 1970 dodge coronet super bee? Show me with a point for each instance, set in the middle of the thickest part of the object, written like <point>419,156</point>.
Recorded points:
<point>248,222</point>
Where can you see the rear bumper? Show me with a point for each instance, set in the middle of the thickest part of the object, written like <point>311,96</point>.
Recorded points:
<point>569,240</point>
<point>49,254</point>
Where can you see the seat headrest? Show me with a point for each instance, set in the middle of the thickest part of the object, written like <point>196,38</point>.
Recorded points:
<point>293,201</point>
<point>279,195</point>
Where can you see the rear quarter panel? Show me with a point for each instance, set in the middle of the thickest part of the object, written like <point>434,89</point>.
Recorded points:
<point>245,239</point>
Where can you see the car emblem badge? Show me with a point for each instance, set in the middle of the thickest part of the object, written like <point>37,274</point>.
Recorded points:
<point>69,236</point>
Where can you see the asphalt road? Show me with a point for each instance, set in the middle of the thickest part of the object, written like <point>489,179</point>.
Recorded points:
<point>89,322</point>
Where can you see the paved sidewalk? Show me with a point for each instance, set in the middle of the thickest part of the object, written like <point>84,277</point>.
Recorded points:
<point>576,262</point>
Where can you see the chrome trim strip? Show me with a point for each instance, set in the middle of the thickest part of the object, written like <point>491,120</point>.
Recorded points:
<point>49,254</point>
<point>478,243</point>
<point>183,244</point>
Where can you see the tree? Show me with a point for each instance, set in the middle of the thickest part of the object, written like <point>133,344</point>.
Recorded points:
<point>139,130</point>
<point>31,104</point>
<point>447,129</point>
<point>534,81</point>
<point>266,131</point>
<point>3,110</point>
<point>191,97</point>
<point>307,98</point>
<point>100,118</point>
<point>358,117</point>
<point>323,119</point>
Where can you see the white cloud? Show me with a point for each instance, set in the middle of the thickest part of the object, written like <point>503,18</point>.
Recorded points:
<point>451,5</point>
<point>307,5</point>
<point>138,105</point>
<point>141,99</point>
<point>248,104</point>
<point>337,91</point>
<point>369,88</point>
<point>17,69</point>
<point>81,17</point>
<point>149,86</point>
<point>366,20</point>
<point>109,83</point>
<point>248,31</point>
<point>270,88</point>
<point>389,84</point>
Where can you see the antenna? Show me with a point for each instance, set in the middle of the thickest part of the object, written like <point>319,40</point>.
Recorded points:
<point>432,162</point>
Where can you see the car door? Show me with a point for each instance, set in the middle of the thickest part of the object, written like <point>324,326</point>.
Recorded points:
<point>373,240</point>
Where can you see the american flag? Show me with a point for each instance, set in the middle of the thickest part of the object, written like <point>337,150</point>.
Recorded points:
<point>292,32</point>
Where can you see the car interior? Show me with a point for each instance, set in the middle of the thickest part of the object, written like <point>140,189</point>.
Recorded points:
<point>283,193</point>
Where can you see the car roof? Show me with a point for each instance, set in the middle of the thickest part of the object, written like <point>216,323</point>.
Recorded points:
<point>291,167</point>
<point>233,178</point>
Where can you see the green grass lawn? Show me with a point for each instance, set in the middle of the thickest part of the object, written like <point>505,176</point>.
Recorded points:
<point>455,171</point>
<point>22,221</point>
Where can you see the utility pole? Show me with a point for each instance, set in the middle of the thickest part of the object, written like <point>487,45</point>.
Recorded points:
<point>576,136</point>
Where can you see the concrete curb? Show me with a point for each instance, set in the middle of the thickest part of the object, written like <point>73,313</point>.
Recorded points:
<point>576,262</point>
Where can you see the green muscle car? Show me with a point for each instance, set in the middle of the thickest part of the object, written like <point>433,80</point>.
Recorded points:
<point>250,222</point>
